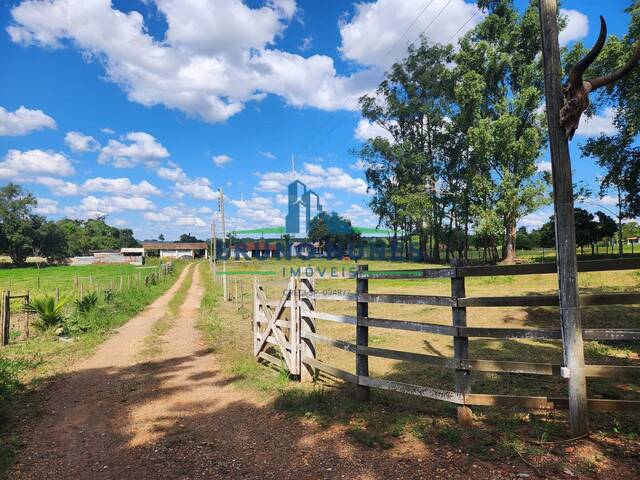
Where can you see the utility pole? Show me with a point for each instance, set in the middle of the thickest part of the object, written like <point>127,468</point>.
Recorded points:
<point>214,245</point>
<point>225,289</point>
<point>571,316</point>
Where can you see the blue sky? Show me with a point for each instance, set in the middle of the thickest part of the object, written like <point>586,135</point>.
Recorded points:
<point>141,110</point>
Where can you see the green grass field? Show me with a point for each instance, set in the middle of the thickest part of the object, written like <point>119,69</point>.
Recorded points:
<point>47,279</point>
<point>501,430</point>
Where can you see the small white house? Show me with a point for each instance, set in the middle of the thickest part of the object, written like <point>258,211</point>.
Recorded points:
<point>133,255</point>
<point>175,250</point>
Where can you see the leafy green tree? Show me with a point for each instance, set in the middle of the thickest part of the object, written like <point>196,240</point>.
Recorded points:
<point>187,238</point>
<point>548,234</point>
<point>630,229</point>
<point>414,104</point>
<point>77,238</point>
<point>50,241</point>
<point>161,237</point>
<point>504,53</point>
<point>606,228</point>
<point>18,225</point>
<point>586,228</point>
<point>527,240</point>
<point>332,232</point>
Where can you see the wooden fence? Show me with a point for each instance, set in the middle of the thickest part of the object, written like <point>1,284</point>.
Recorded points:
<point>296,337</point>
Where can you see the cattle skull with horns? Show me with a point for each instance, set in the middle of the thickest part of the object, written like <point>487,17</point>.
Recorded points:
<point>577,90</point>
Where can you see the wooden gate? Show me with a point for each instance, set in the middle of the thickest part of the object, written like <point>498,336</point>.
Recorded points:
<point>278,326</point>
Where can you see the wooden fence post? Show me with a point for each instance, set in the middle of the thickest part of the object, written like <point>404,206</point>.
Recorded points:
<point>570,313</point>
<point>362,332</point>
<point>57,294</point>
<point>6,317</point>
<point>307,325</point>
<point>294,325</point>
<point>256,312</point>
<point>235,287</point>
<point>27,302</point>
<point>461,345</point>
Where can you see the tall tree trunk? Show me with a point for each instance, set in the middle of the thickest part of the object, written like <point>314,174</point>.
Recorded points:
<point>423,245</point>
<point>620,244</point>
<point>511,232</point>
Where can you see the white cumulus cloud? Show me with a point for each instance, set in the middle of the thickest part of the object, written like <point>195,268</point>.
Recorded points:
<point>199,188</point>
<point>221,160</point>
<point>141,148</point>
<point>175,174</point>
<point>379,31</point>
<point>365,130</point>
<point>598,124</point>
<point>30,162</point>
<point>543,167</point>
<point>46,206</point>
<point>314,176</point>
<point>119,186</point>
<point>577,26</point>
<point>215,56</point>
<point>23,121</point>
<point>91,206</point>
<point>79,142</point>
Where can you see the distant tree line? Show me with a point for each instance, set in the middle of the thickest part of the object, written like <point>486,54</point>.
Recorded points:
<point>24,233</point>
<point>591,229</point>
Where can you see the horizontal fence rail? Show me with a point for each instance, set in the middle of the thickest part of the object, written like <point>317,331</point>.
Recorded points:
<point>506,301</point>
<point>303,304</point>
<point>500,270</point>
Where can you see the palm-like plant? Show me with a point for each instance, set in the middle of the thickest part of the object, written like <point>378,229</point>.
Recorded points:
<point>49,312</point>
<point>87,303</point>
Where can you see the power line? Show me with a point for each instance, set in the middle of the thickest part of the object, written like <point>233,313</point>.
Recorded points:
<point>415,20</point>
<point>464,25</point>
<point>335,125</point>
<point>434,19</point>
<point>408,29</point>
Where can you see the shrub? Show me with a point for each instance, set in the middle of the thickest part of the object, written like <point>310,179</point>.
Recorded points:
<point>76,325</point>
<point>49,312</point>
<point>87,304</point>
<point>109,295</point>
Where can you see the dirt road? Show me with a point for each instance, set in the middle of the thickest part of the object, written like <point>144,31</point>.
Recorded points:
<point>120,416</point>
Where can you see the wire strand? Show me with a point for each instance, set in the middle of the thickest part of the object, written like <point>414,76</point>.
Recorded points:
<point>337,124</point>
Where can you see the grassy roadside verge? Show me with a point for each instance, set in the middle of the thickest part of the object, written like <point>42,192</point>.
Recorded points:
<point>228,335</point>
<point>26,366</point>
<point>154,343</point>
